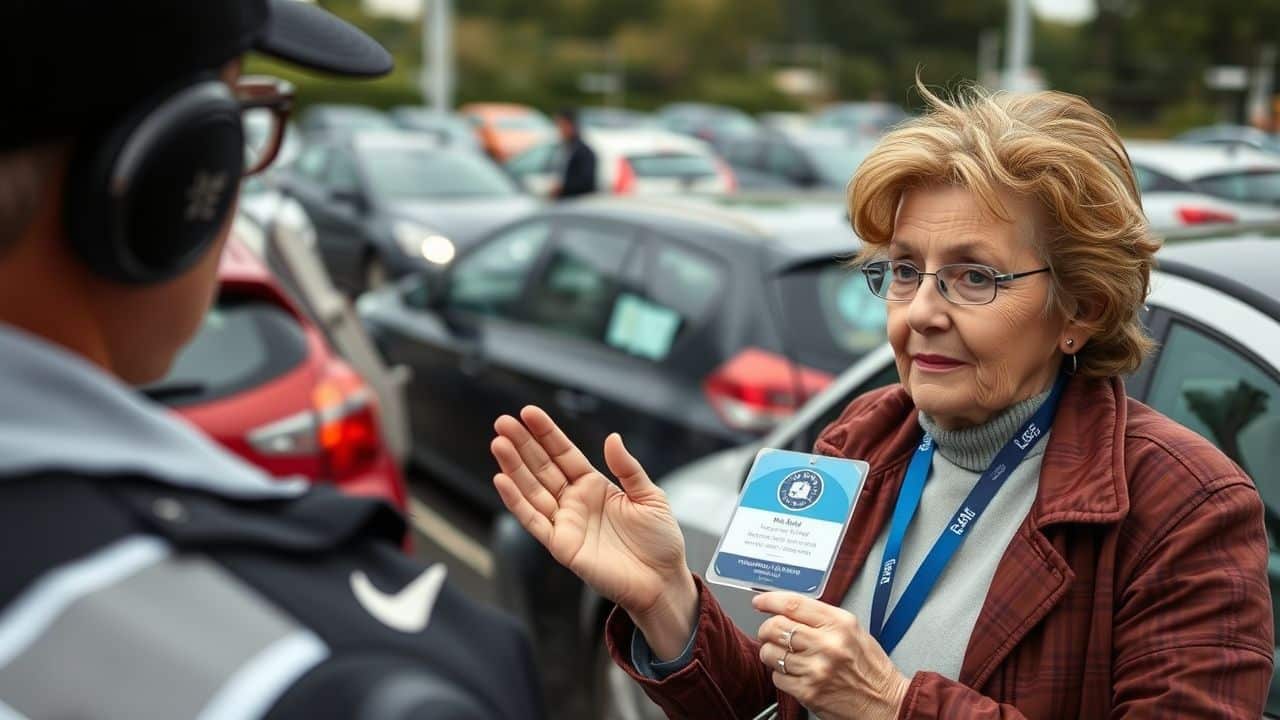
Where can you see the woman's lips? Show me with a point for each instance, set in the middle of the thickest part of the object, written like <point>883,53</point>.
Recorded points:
<point>935,363</point>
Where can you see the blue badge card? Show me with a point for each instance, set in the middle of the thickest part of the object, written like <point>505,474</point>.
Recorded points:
<point>789,523</point>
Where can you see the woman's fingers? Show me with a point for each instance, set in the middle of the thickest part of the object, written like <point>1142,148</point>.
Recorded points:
<point>530,486</point>
<point>780,629</point>
<point>557,446</point>
<point>808,611</point>
<point>796,663</point>
<point>531,454</point>
<point>538,525</point>
<point>635,481</point>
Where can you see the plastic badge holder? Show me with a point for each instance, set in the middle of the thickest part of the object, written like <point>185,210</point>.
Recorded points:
<point>790,520</point>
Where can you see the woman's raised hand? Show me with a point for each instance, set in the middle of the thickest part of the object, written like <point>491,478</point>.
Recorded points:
<point>624,543</point>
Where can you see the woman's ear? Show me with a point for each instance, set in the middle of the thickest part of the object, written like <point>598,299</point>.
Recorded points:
<point>1081,327</point>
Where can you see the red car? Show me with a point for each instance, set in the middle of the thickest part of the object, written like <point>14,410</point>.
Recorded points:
<point>260,379</point>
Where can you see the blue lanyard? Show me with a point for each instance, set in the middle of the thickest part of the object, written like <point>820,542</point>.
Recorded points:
<point>889,633</point>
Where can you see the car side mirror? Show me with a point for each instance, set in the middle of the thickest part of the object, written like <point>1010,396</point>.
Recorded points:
<point>427,289</point>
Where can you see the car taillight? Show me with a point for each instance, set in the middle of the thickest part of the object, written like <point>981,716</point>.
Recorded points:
<point>756,389</point>
<point>726,174</point>
<point>341,428</point>
<point>1192,215</point>
<point>347,428</point>
<point>626,180</point>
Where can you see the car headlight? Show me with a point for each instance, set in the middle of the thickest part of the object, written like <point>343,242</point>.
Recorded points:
<point>417,241</point>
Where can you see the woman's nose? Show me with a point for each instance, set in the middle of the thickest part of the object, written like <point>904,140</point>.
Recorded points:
<point>928,310</point>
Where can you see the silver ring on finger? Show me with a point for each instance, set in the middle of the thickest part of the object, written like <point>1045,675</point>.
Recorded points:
<point>786,638</point>
<point>782,663</point>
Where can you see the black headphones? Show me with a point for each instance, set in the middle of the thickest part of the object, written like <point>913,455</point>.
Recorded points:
<point>147,195</point>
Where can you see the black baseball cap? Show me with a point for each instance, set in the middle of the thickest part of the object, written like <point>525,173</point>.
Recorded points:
<point>70,65</point>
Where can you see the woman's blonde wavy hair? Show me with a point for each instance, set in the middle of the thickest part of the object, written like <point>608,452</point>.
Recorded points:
<point>1059,151</point>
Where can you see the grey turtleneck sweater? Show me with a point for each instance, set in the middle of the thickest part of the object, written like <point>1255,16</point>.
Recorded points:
<point>937,639</point>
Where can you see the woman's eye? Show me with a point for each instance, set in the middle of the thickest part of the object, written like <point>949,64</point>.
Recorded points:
<point>905,272</point>
<point>977,278</point>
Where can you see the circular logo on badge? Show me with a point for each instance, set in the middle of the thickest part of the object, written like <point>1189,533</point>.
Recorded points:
<point>800,489</point>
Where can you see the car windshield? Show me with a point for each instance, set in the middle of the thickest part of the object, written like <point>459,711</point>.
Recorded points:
<point>401,172</point>
<point>836,163</point>
<point>244,342</point>
<point>1254,186</point>
<point>528,121</point>
<point>847,320</point>
<point>668,165</point>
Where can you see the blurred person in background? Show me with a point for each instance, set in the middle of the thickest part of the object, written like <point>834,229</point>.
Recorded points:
<point>1118,564</point>
<point>577,159</point>
<point>147,572</point>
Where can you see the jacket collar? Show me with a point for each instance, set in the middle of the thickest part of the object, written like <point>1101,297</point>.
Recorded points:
<point>59,412</point>
<point>1081,477</point>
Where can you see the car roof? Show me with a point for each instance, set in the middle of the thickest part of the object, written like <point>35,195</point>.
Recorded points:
<point>365,139</point>
<point>628,140</point>
<point>792,231</point>
<point>240,265</point>
<point>1233,263</point>
<point>1191,161</point>
<point>494,109</point>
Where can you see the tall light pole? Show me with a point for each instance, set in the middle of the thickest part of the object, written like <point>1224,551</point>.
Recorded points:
<point>437,53</point>
<point>1017,57</point>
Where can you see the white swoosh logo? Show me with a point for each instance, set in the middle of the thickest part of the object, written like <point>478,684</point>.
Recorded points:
<point>407,610</point>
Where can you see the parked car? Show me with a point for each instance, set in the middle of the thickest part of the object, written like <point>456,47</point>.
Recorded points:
<point>507,129</point>
<point>631,162</point>
<point>261,380</point>
<point>790,122</point>
<point>1233,135</point>
<point>615,118</point>
<point>446,128</point>
<point>324,119</point>
<point>816,159</point>
<point>1215,312</point>
<point>861,120</point>
<point>385,204</point>
<point>716,124</point>
<point>1184,184</point>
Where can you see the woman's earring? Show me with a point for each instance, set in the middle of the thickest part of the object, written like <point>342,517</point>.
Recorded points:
<point>1075,364</point>
<point>1070,342</point>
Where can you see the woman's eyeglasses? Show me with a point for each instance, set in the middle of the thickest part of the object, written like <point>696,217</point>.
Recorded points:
<point>960,283</point>
<point>265,105</point>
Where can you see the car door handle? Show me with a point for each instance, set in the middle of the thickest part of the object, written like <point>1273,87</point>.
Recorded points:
<point>576,403</point>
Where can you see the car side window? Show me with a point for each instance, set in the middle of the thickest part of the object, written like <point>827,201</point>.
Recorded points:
<point>1151,181</point>
<point>680,291</point>
<point>782,160</point>
<point>491,279</point>
<point>576,293</point>
<point>534,160</point>
<point>744,153</point>
<point>341,173</point>
<point>1220,393</point>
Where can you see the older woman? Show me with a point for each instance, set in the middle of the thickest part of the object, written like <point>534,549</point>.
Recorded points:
<point>1113,563</point>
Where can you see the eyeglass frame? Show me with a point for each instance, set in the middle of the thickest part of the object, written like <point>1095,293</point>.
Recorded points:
<point>996,276</point>
<point>266,92</point>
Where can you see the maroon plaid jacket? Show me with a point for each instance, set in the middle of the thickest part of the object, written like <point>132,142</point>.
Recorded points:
<point>1136,586</point>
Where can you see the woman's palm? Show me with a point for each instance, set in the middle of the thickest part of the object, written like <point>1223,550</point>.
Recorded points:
<point>624,543</point>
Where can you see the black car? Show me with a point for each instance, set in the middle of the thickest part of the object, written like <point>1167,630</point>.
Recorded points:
<point>808,160</point>
<point>385,204</point>
<point>657,319</point>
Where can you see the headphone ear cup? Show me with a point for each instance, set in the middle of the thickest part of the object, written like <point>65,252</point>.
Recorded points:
<point>148,196</point>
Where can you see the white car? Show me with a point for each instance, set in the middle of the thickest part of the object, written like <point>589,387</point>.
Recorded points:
<point>1215,310</point>
<point>631,162</point>
<point>1184,184</point>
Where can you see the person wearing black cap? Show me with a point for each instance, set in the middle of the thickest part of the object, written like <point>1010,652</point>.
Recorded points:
<point>578,160</point>
<point>147,573</point>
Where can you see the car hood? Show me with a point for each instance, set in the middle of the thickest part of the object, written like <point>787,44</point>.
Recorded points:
<point>464,221</point>
<point>704,493</point>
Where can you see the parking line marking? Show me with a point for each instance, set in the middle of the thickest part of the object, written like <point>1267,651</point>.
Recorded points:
<point>437,528</point>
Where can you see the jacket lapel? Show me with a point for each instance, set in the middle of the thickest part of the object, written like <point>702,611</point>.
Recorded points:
<point>1081,481</point>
